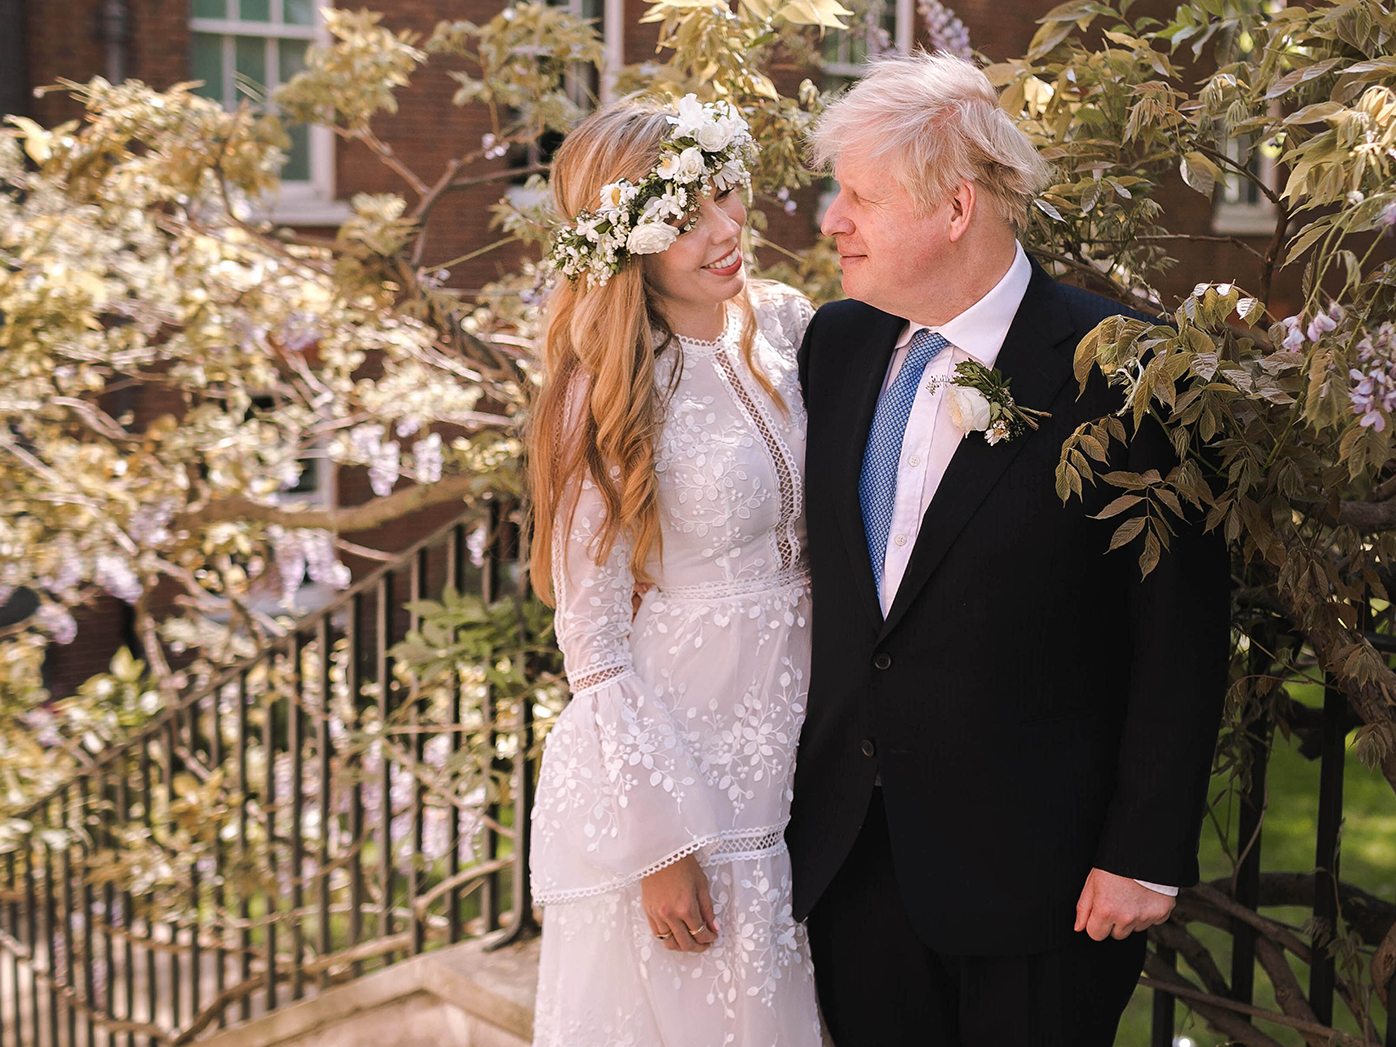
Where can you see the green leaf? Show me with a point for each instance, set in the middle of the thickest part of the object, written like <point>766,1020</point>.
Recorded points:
<point>1199,172</point>
<point>1148,559</point>
<point>1118,506</point>
<point>1316,113</point>
<point>1126,532</point>
<point>1290,81</point>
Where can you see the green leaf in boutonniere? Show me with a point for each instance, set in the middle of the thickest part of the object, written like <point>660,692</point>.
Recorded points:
<point>979,401</point>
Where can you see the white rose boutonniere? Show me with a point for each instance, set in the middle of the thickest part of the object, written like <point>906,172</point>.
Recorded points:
<point>651,238</point>
<point>979,402</point>
<point>969,409</point>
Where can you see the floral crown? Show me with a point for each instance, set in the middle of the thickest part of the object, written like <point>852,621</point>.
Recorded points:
<point>708,148</point>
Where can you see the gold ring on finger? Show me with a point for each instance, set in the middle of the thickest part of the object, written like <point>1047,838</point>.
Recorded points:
<point>665,937</point>
<point>702,927</point>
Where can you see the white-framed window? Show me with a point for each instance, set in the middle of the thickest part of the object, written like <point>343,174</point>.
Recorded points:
<point>582,83</point>
<point>1240,208</point>
<point>846,50</point>
<point>243,50</point>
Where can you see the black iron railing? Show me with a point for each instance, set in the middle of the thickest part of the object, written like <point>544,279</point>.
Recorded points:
<point>1327,732</point>
<point>310,814</point>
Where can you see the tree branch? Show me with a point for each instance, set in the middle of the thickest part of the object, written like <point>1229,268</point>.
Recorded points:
<point>1369,516</point>
<point>1213,1008</point>
<point>349,519</point>
<point>1217,1010</point>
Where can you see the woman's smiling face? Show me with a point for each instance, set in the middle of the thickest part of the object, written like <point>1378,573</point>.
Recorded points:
<point>703,267</point>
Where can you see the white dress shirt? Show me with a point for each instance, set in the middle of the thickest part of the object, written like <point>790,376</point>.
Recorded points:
<point>931,438</point>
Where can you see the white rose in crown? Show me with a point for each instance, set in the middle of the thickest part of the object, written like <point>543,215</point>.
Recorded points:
<point>691,166</point>
<point>968,407</point>
<point>651,238</point>
<point>715,135</point>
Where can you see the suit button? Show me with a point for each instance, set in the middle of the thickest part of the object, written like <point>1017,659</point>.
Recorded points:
<point>882,660</point>
<point>869,749</point>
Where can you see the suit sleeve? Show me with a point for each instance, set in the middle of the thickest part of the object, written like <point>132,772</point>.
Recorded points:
<point>1179,619</point>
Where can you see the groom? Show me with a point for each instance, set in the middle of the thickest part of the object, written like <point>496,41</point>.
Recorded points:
<point>1003,771</point>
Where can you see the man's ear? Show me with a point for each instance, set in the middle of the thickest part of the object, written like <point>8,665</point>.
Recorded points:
<point>962,205</point>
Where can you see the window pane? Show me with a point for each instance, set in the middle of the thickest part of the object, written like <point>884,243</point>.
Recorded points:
<point>207,61</point>
<point>251,62</point>
<point>291,59</point>
<point>254,10</point>
<point>210,8</point>
<point>299,12</point>
<point>297,167</point>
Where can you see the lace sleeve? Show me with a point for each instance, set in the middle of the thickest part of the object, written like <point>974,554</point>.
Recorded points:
<point>783,314</point>
<point>593,600</point>
<point>621,792</point>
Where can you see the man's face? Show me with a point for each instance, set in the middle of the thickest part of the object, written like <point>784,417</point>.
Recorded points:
<point>891,253</point>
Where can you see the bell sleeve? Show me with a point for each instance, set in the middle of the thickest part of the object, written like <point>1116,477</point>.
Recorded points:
<point>622,791</point>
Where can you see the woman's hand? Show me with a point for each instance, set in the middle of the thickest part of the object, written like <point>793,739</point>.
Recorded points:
<point>678,906</point>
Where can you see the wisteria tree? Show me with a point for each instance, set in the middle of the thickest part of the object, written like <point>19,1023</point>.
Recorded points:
<point>137,272</point>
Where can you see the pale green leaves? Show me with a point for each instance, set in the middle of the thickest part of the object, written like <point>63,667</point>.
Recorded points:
<point>355,77</point>
<point>522,57</point>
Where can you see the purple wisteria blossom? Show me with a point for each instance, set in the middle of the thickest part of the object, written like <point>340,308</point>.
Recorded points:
<point>1373,392</point>
<point>945,30</point>
<point>55,620</point>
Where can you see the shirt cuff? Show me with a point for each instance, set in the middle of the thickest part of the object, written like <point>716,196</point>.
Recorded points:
<point>1161,888</point>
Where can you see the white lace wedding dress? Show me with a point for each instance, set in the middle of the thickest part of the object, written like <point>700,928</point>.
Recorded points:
<point>680,736</point>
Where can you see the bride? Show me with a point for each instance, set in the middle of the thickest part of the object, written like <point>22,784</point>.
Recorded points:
<point>666,456</point>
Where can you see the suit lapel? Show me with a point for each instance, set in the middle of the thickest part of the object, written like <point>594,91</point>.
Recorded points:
<point>1037,359</point>
<point>869,353</point>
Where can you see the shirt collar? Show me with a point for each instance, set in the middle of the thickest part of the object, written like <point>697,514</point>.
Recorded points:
<point>981,329</point>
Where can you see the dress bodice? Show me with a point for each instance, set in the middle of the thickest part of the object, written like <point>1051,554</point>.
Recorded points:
<point>729,457</point>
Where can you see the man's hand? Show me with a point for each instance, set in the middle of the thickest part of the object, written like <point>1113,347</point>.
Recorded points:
<point>678,906</point>
<point>1117,906</point>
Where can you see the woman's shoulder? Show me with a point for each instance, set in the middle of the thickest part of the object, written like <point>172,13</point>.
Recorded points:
<point>782,312</point>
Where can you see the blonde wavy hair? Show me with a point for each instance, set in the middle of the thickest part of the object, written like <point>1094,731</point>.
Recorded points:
<point>936,121</point>
<point>598,410</point>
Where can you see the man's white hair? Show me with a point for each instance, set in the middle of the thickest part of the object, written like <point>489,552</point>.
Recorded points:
<point>935,120</point>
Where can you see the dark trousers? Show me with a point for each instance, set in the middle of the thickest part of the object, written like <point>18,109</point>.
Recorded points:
<point>880,986</point>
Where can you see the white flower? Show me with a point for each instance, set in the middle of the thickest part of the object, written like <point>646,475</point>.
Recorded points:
<point>996,432</point>
<point>691,164</point>
<point>651,238</point>
<point>587,227</point>
<point>969,409</point>
<point>615,196</point>
<point>715,135</point>
<point>691,116</point>
<point>668,168</point>
<point>732,173</point>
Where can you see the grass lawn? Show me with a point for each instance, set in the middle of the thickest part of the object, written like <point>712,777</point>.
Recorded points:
<point>1368,861</point>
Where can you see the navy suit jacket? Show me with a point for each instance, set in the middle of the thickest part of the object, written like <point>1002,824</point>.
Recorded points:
<point>1033,708</point>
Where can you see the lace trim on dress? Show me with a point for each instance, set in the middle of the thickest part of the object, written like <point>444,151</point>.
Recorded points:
<point>587,681</point>
<point>709,344</point>
<point>787,477</point>
<point>725,846</point>
<point>755,844</point>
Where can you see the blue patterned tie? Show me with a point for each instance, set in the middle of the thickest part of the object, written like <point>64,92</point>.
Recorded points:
<point>877,486</point>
